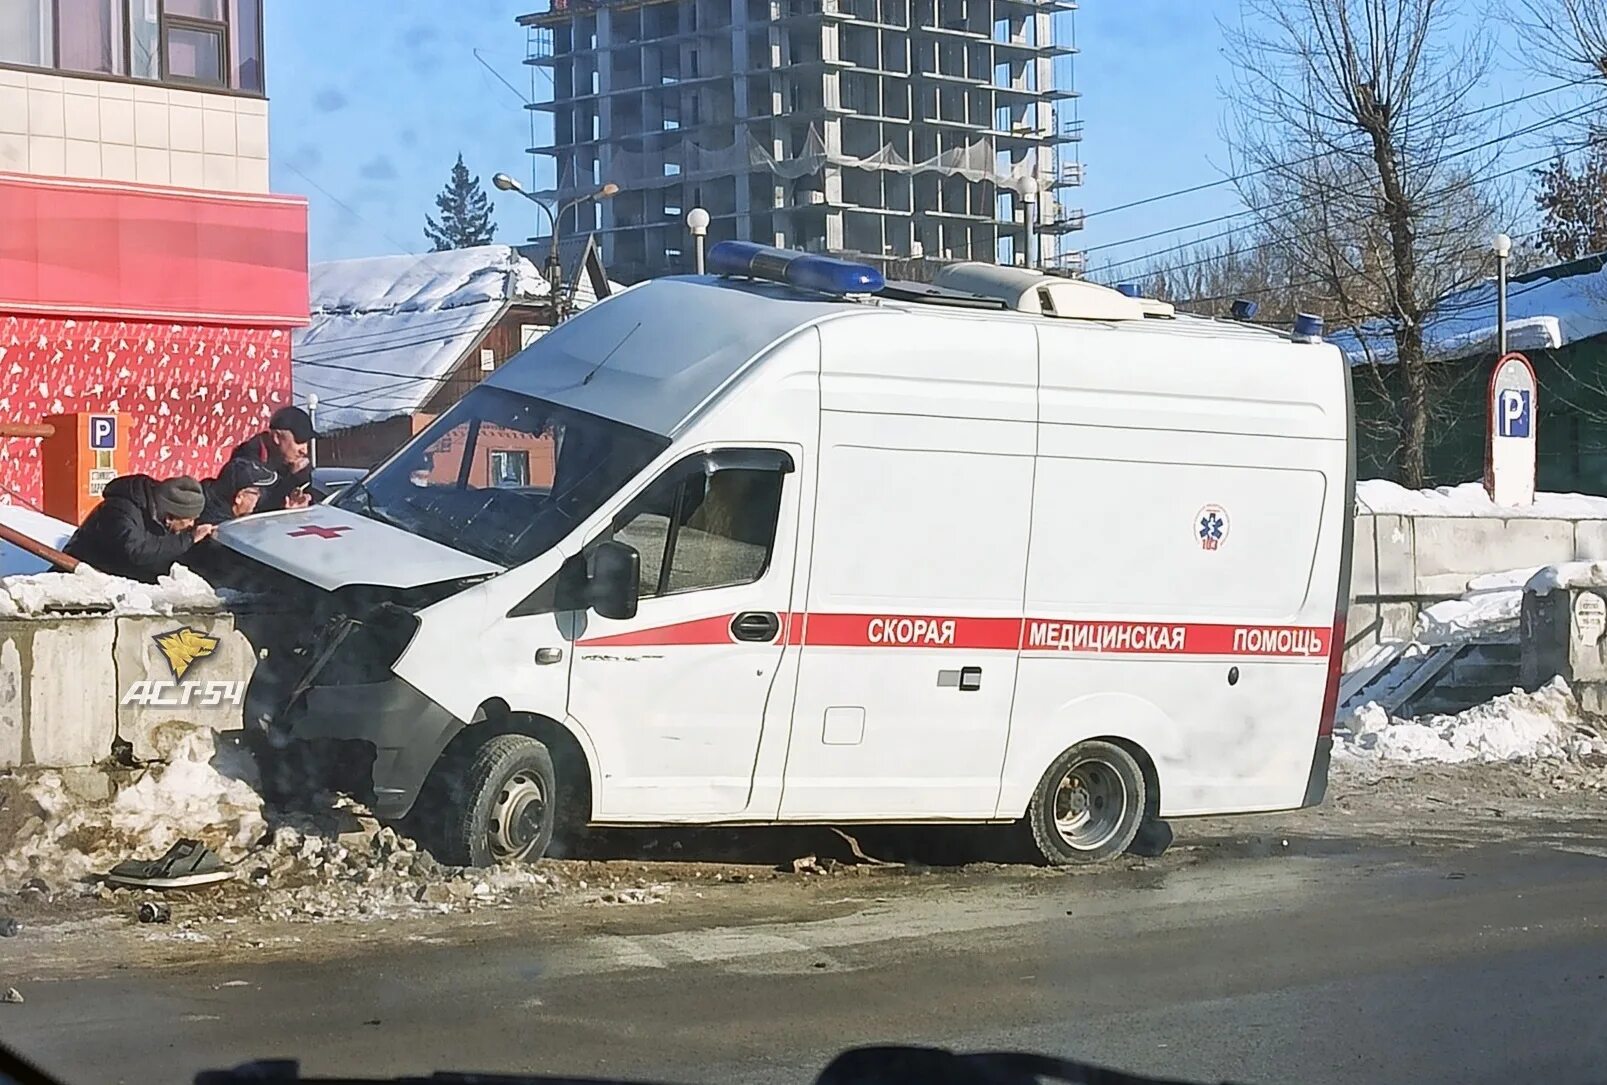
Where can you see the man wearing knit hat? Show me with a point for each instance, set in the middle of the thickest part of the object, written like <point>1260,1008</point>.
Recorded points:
<point>141,527</point>
<point>284,448</point>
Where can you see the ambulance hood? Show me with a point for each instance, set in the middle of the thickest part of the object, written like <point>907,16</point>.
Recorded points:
<point>332,548</point>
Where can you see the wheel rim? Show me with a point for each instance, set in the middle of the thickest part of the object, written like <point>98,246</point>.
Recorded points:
<point>1090,801</point>
<point>516,817</point>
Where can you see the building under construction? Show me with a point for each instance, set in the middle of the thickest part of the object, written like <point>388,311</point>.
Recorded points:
<point>893,130</point>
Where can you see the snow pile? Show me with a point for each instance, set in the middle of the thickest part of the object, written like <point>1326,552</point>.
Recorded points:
<point>1470,499</point>
<point>91,590</point>
<point>36,526</point>
<point>1568,574</point>
<point>205,791</point>
<point>1544,725</point>
<point>1491,605</point>
<point>327,859</point>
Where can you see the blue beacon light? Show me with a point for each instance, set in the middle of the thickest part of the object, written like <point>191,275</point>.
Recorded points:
<point>1308,328</point>
<point>806,271</point>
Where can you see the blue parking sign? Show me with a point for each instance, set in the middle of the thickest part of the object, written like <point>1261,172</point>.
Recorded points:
<point>102,432</point>
<point>1512,412</point>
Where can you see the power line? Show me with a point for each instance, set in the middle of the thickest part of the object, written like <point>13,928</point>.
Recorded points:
<point>1283,238</point>
<point>1296,204</point>
<point>1549,122</point>
<point>1319,281</point>
<point>1246,175</point>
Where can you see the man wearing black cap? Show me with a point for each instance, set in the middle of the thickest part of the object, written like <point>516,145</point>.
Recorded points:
<point>237,491</point>
<point>284,449</point>
<point>141,527</point>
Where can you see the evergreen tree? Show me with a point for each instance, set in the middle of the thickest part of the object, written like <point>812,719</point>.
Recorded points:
<point>465,213</point>
<point>1573,203</point>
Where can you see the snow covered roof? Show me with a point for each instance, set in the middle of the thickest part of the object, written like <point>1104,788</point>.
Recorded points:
<point>1546,309</point>
<point>386,330</point>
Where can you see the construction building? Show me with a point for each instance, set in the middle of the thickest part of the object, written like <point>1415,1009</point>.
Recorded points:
<point>892,130</point>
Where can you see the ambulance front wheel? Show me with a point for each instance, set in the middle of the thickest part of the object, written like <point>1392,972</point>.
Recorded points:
<point>503,806</point>
<point>1089,805</point>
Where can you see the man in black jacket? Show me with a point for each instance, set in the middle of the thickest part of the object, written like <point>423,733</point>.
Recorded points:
<point>141,527</point>
<point>237,491</point>
<point>283,448</point>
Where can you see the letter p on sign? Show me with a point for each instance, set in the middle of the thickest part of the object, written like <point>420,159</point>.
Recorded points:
<point>102,432</point>
<point>1513,412</point>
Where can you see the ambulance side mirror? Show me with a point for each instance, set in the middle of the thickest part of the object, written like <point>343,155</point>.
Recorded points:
<point>613,573</point>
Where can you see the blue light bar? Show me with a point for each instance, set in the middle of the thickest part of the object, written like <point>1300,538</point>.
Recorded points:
<point>1308,328</point>
<point>1244,309</point>
<point>1129,290</point>
<point>806,271</point>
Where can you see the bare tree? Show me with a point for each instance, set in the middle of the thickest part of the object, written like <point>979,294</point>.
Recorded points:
<point>1351,128</point>
<point>1567,38</point>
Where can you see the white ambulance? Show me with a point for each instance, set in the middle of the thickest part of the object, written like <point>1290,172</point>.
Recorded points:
<point>789,544</point>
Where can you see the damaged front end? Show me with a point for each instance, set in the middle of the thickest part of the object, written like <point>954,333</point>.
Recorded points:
<point>325,706</point>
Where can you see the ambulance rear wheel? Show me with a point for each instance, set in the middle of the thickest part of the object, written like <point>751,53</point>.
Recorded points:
<point>505,804</point>
<point>1089,804</point>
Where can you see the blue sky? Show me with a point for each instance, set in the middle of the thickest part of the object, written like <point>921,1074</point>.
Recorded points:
<point>372,101</point>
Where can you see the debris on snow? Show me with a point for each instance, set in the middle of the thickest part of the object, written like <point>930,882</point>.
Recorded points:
<point>87,589</point>
<point>1544,725</point>
<point>206,790</point>
<point>1378,495</point>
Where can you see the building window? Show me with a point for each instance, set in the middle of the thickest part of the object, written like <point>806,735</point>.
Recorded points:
<point>27,30</point>
<point>510,469</point>
<point>91,36</point>
<point>211,42</point>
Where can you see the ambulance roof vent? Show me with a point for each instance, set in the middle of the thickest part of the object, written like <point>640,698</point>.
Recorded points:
<point>1028,291</point>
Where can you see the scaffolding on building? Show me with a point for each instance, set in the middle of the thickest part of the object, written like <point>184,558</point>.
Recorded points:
<point>889,129</point>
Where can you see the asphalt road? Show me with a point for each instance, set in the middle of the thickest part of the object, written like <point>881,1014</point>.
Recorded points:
<point>1470,965</point>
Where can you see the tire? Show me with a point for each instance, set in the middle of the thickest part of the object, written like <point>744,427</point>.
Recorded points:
<point>1089,805</point>
<point>499,803</point>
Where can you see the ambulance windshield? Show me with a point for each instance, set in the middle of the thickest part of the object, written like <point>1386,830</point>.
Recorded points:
<point>503,476</point>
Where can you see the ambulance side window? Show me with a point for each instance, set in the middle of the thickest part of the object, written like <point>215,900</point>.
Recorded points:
<point>710,522</point>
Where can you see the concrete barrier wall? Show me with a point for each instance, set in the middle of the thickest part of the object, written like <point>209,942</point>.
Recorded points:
<point>1405,563</point>
<point>72,687</point>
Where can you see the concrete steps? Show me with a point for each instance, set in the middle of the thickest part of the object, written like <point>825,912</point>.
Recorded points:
<point>1422,680</point>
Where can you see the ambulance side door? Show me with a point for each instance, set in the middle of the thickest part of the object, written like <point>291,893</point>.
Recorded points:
<point>676,697</point>
<point>917,563</point>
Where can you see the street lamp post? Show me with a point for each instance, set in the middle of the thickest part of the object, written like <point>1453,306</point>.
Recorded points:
<point>1503,248</point>
<point>1029,201</point>
<point>697,220</point>
<point>555,273</point>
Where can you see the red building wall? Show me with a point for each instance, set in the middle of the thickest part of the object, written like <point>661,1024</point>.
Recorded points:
<point>172,306</point>
<point>193,390</point>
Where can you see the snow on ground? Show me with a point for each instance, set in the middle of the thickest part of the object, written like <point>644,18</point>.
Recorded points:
<point>86,588</point>
<point>1545,725</point>
<point>326,858</point>
<point>205,791</point>
<point>38,527</point>
<point>1470,499</point>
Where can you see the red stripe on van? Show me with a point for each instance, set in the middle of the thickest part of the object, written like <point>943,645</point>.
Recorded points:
<point>976,634</point>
